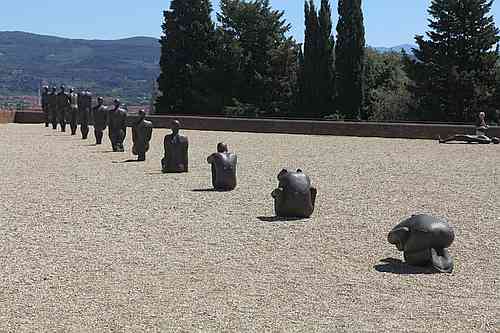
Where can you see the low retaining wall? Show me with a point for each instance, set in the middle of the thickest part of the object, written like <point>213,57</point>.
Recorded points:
<point>310,127</point>
<point>7,116</point>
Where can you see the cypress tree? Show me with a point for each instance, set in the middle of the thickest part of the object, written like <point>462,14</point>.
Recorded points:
<point>187,56</point>
<point>350,60</point>
<point>327,58</point>
<point>316,74</point>
<point>454,72</point>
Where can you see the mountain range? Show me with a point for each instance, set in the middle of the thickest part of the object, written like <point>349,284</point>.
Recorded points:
<point>125,67</point>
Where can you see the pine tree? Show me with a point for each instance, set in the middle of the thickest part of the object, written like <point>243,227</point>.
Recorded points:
<point>259,60</point>
<point>187,57</point>
<point>350,60</point>
<point>455,68</point>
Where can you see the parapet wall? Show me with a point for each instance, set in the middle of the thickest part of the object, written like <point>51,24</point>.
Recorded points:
<point>310,127</point>
<point>7,116</point>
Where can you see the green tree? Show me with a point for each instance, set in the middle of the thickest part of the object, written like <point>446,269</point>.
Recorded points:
<point>350,59</point>
<point>257,61</point>
<point>454,70</point>
<point>386,87</point>
<point>317,68</point>
<point>187,58</point>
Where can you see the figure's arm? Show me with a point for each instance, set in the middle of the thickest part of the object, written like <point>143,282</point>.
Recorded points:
<point>186,157</point>
<point>277,193</point>
<point>314,192</point>
<point>149,133</point>
<point>134,134</point>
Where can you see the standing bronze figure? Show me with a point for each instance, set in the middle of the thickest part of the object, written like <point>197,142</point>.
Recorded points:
<point>63,105</point>
<point>223,168</point>
<point>176,151</point>
<point>117,126</point>
<point>100,116</point>
<point>73,111</point>
<point>45,104</point>
<point>424,241</point>
<point>294,197</point>
<point>84,108</point>
<point>52,106</point>
<point>141,135</point>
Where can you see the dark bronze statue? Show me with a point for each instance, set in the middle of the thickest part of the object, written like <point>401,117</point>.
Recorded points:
<point>52,106</point>
<point>117,126</point>
<point>480,137</point>
<point>294,197</point>
<point>100,115</point>
<point>63,105</point>
<point>45,104</point>
<point>223,168</point>
<point>424,240</point>
<point>73,111</point>
<point>176,151</point>
<point>84,108</point>
<point>141,135</point>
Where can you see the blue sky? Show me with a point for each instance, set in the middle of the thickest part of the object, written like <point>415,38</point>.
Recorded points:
<point>388,22</point>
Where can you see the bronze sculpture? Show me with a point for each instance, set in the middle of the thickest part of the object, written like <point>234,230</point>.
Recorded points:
<point>63,104</point>
<point>294,197</point>
<point>480,137</point>
<point>223,168</point>
<point>52,107</point>
<point>424,240</point>
<point>176,151</point>
<point>100,116</point>
<point>73,111</point>
<point>117,126</point>
<point>84,107</point>
<point>141,135</point>
<point>45,104</point>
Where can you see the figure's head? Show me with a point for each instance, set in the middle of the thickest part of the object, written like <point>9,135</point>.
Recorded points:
<point>45,88</point>
<point>54,89</point>
<point>297,180</point>
<point>100,100</point>
<point>71,90</point>
<point>63,88</point>
<point>495,140</point>
<point>482,115</point>
<point>176,125</point>
<point>117,103</point>
<point>141,114</point>
<point>222,147</point>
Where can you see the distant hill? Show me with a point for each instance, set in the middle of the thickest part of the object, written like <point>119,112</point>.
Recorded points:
<point>125,67</point>
<point>407,47</point>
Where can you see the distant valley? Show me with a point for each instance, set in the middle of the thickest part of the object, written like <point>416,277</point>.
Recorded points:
<point>127,67</point>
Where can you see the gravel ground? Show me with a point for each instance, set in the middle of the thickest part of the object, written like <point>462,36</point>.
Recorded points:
<point>91,244</point>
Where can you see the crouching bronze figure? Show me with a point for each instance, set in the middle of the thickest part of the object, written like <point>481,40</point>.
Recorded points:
<point>424,241</point>
<point>294,197</point>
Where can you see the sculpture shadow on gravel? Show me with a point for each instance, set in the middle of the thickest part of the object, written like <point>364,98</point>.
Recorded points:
<point>272,219</point>
<point>396,266</point>
<point>127,161</point>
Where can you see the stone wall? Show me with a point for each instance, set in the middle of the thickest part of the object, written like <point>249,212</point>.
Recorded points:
<point>7,116</point>
<point>361,129</point>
